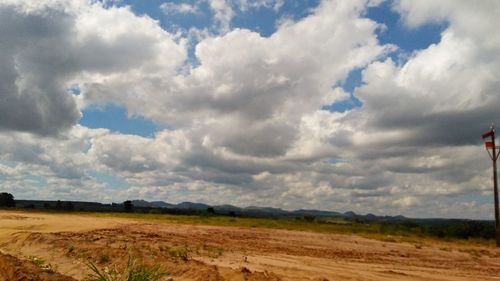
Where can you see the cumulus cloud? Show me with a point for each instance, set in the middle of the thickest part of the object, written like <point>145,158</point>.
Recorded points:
<point>260,87</point>
<point>223,13</point>
<point>421,120</point>
<point>257,4</point>
<point>181,8</point>
<point>49,44</point>
<point>32,74</point>
<point>247,124</point>
<point>443,95</point>
<point>224,10</point>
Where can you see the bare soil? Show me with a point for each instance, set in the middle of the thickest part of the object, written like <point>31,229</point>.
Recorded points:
<point>198,252</point>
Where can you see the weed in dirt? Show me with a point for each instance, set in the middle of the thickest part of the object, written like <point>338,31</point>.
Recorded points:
<point>181,252</point>
<point>37,260</point>
<point>163,248</point>
<point>213,252</point>
<point>133,272</point>
<point>103,258</point>
<point>41,264</point>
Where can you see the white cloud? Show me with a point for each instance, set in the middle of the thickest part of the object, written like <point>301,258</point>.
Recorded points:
<point>180,8</point>
<point>248,124</point>
<point>245,5</point>
<point>223,13</point>
<point>259,86</point>
<point>52,44</point>
<point>225,10</point>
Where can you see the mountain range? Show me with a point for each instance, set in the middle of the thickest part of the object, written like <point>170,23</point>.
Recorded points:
<point>255,211</point>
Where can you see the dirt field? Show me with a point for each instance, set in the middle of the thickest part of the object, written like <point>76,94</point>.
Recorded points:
<point>66,243</point>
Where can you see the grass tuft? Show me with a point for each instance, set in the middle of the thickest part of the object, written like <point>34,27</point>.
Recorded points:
<point>133,272</point>
<point>41,264</point>
<point>181,252</point>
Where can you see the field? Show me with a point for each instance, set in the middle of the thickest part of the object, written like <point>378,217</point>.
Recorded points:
<point>53,246</point>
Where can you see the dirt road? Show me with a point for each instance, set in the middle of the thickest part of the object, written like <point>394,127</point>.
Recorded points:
<point>194,252</point>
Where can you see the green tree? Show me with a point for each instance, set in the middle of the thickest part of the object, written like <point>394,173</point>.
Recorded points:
<point>7,200</point>
<point>128,206</point>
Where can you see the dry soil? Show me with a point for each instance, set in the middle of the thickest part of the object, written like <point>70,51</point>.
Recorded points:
<point>67,243</point>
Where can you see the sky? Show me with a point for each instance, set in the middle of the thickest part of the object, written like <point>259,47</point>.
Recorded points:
<point>369,106</point>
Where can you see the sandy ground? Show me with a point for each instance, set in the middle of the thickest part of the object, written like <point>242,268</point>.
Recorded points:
<point>194,252</point>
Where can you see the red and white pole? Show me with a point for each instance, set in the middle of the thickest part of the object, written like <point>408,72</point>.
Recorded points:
<point>494,157</point>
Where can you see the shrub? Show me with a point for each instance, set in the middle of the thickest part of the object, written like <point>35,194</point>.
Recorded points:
<point>308,218</point>
<point>128,206</point>
<point>463,230</point>
<point>7,200</point>
<point>133,272</point>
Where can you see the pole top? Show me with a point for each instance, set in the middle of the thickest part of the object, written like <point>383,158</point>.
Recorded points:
<point>492,127</point>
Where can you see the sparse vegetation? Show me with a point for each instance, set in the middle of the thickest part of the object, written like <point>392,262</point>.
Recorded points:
<point>37,260</point>
<point>41,263</point>
<point>133,272</point>
<point>405,231</point>
<point>213,252</point>
<point>400,230</point>
<point>180,252</point>
<point>463,230</point>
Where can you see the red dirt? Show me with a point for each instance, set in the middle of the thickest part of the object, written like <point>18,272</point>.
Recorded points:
<point>195,252</point>
<point>13,269</point>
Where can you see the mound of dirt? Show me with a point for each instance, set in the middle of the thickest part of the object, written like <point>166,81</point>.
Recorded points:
<point>13,269</point>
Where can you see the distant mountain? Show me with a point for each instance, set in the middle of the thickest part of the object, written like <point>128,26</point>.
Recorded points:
<point>165,205</point>
<point>226,209</point>
<point>350,214</point>
<point>370,216</point>
<point>251,211</point>
<point>317,213</point>
<point>255,211</point>
<point>192,206</point>
<point>154,204</point>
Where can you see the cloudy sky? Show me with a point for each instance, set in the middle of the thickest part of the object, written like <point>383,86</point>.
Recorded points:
<point>363,105</point>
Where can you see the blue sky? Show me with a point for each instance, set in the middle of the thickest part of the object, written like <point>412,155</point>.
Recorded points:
<point>291,104</point>
<point>265,21</point>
